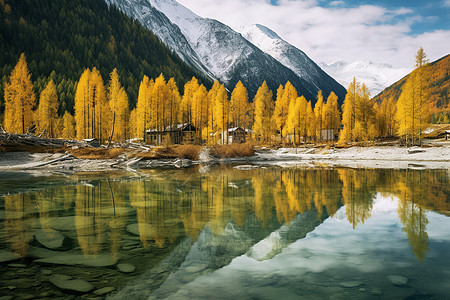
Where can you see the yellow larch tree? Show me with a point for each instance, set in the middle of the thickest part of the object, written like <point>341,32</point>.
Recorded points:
<point>142,114</point>
<point>331,115</point>
<point>211,107</point>
<point>365,116</point>
<point>92,112</point>
<point>385,117</point>
<point>174,102</point>
<point>281,111</point>
<point>311,121</point>
<point>188,98</point>
<point>132,123</point>
<point>20,98</point>
<point>159,111</point>
<point>222,113</point>
<point>68,126</point>
<point>412,109</point>
<point>47,112</point>
<point>239,107</point>
<point>200,110</point>
<point>349,112</point>
<point>101,113</point>
<point>318,112</point>
<point>83,106</point>
<point>118,102</point>
<point>296,122</point>
<point>264,126</point>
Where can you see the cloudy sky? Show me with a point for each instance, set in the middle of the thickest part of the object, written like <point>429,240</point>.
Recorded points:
<point>385,31</point>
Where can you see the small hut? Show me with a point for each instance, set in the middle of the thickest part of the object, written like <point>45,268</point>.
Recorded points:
<point>236,135</point>
<point>177,134</point>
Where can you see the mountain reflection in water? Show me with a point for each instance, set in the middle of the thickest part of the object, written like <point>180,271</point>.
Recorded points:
<point>204,221</point>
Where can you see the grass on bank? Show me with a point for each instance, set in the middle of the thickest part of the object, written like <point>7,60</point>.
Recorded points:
<point>234,150</point>
<point>96,153</point>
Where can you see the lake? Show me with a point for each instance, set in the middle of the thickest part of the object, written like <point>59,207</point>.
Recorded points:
<point>225,233</point>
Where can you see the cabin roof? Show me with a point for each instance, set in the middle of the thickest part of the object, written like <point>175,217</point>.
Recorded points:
<point>235,129</point>
<point>178,127</point>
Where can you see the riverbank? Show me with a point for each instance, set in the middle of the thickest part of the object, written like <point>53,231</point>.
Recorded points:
<point>435,156</point>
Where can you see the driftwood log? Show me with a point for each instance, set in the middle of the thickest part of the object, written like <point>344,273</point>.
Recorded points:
<point>11,139</point>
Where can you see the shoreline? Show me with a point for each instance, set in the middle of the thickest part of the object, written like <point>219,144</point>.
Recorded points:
<point>388,157</point>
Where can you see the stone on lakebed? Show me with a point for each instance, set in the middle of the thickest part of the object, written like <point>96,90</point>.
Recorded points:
<point>101,260</point>
<point>67,283</point>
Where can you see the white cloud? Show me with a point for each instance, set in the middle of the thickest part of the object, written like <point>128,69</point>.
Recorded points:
<point>367,32</point>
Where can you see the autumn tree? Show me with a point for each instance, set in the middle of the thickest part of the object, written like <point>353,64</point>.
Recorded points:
<point>385,117</point>
<point>118,102</point>
<point>296,124</point>
<point>173,102</point>
<point>158,109</point>
<point>92,112</point>
<point>264,126</point>
<point>239,107</point>
<point>412,110</point>
<point>318,112</point>
<point>331,115</point>
<point>221,111</point>
<point>358,116</point>
<point>142,114</point>
<point>19,98</point>
<point>284,98</point>
<point>47,113</point>
<point>211,108</point>
<point>188,98</point>
<point>68,126</point>
<point>365,116</point>
<point>311,122</point>
<point>200,109</point>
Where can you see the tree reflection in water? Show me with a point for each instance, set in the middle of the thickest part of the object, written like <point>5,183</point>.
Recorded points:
<point>167,205</point>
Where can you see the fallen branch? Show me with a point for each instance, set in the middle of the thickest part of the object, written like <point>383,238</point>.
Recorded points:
<point>38,164</point>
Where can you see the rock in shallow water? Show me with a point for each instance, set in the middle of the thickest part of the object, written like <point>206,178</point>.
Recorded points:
<point>105,290</point>
<point>350,284</point>
<point>398,280</point>
<point>69,284</point>
<point>73,259</point>
<point>126,268</point>
<point>52,239</point>
<point>6,256</point>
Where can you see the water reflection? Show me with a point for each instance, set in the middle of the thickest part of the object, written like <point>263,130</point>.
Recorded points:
<point>165,206</point>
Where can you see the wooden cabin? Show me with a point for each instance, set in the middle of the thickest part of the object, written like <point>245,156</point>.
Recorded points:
<point>177,134</point>
<point>236,135</point>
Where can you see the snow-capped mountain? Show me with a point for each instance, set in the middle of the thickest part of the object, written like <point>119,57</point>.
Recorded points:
<point>293,58</point>
<point>376,76</point>
<point>215,48</point>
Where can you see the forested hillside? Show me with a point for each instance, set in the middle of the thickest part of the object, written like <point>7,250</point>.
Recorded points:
<point>62,38</point>
<point>438,80</point>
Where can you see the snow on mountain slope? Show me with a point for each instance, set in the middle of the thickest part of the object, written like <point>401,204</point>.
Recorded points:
<point>291,57</point>
<point>164,29</point>
<point>376,76</point>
